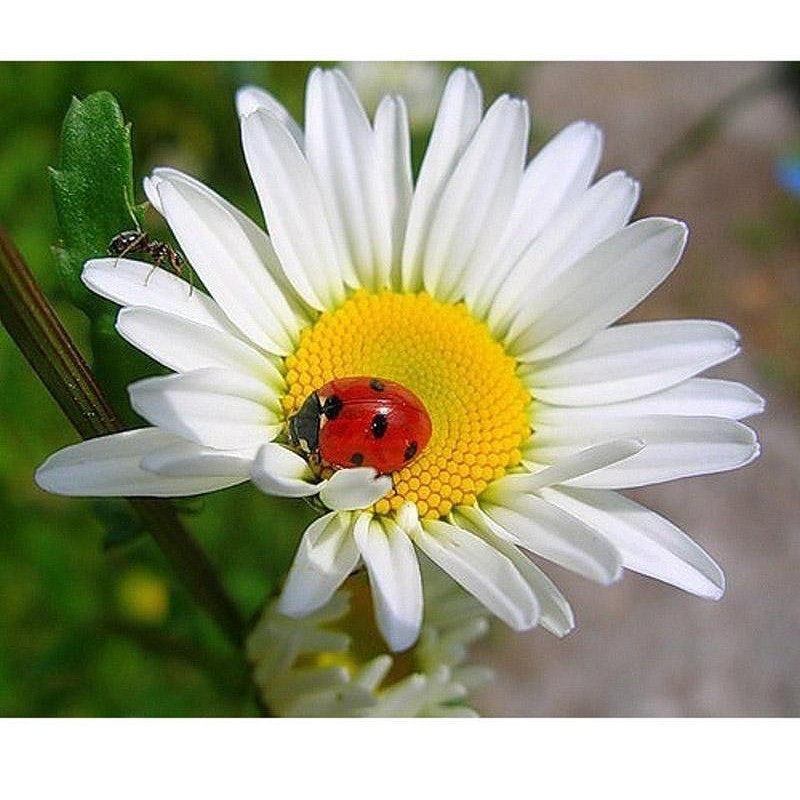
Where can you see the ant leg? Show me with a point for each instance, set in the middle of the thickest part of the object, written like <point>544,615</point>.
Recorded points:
<point>129,242</point>
<point>122,255</point>
<point>191,283</point>
<point>136,243</point>
<point>189,270</point>
<point>150,274</point>
<point>129,208</point>
<point>176,264</point>
<point>159,253</point>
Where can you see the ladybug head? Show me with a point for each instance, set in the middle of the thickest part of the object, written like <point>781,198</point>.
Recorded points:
<point>304,426</point>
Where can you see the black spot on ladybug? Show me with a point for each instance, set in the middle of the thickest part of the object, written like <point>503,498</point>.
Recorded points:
<point>357,459</point>
<point>410,452</point>
<point>379,425</point>
<point>332,406</point>
<point>376,385</point>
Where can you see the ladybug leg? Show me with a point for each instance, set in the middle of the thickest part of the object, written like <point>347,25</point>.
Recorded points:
<point>317,504</point>
<point>315,462</point>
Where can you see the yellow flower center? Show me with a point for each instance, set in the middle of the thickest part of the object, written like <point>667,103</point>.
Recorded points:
<point>479,407</point>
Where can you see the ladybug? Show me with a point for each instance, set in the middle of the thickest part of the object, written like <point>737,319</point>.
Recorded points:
<point>362,421</point>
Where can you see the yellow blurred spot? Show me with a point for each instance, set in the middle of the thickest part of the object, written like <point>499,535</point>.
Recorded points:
<point>143,596</point>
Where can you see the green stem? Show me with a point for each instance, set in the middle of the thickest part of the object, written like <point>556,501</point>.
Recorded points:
<point>33,325</point>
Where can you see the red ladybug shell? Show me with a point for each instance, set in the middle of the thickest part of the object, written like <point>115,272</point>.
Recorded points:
<point>371,422</point>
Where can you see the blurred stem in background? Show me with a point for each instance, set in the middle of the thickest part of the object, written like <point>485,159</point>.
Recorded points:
<point>706,129</point>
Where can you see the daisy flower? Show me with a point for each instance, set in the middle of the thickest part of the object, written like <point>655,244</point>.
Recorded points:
<point>489,289</point>
<point>332,663</point>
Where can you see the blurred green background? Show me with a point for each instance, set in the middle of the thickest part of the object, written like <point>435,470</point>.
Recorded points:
<point>93,631</point>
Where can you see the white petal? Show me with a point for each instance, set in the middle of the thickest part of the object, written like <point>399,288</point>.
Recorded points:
<point>554,179</point>
<point>223,256</point>
<point>183,458</point>
<point>279,471</point>
<point>341,150</point>
<point>481,570</point>
<point>404,698</point>
<point>183,346</point>
<point>326,556</point>
<point>676,447</point>
<point>568,468</point>
<point>602,211</point>
<point>134,283</point>
<point>696,397</point>
<point>109,466</point>
<point>323,684</point>
<point>151,192</point>
<point>552,534</point>
<point>555,612</point>
<point>251,98</point>
<point>294,210</point>
<point>371,675</point>
<point>599,288</point>
<point>350,489</point>
<point>258,239</point>
<point>393,146</point>
<point>458,117</point>
<point>711,397</point>
<point>394,579</point>
<point>407,517</point>
<point>213,407</point>
<point>632,360</point>
<point>648,543</point>
<point>476,202</point>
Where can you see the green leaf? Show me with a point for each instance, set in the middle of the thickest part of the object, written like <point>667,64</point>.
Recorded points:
<point>92,189</point>
<point>94,200</point>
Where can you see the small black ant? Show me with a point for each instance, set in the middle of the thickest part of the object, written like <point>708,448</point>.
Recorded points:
<point>128,242</point>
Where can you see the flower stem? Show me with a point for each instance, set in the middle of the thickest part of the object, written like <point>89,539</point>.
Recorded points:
<point>33,325</point>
